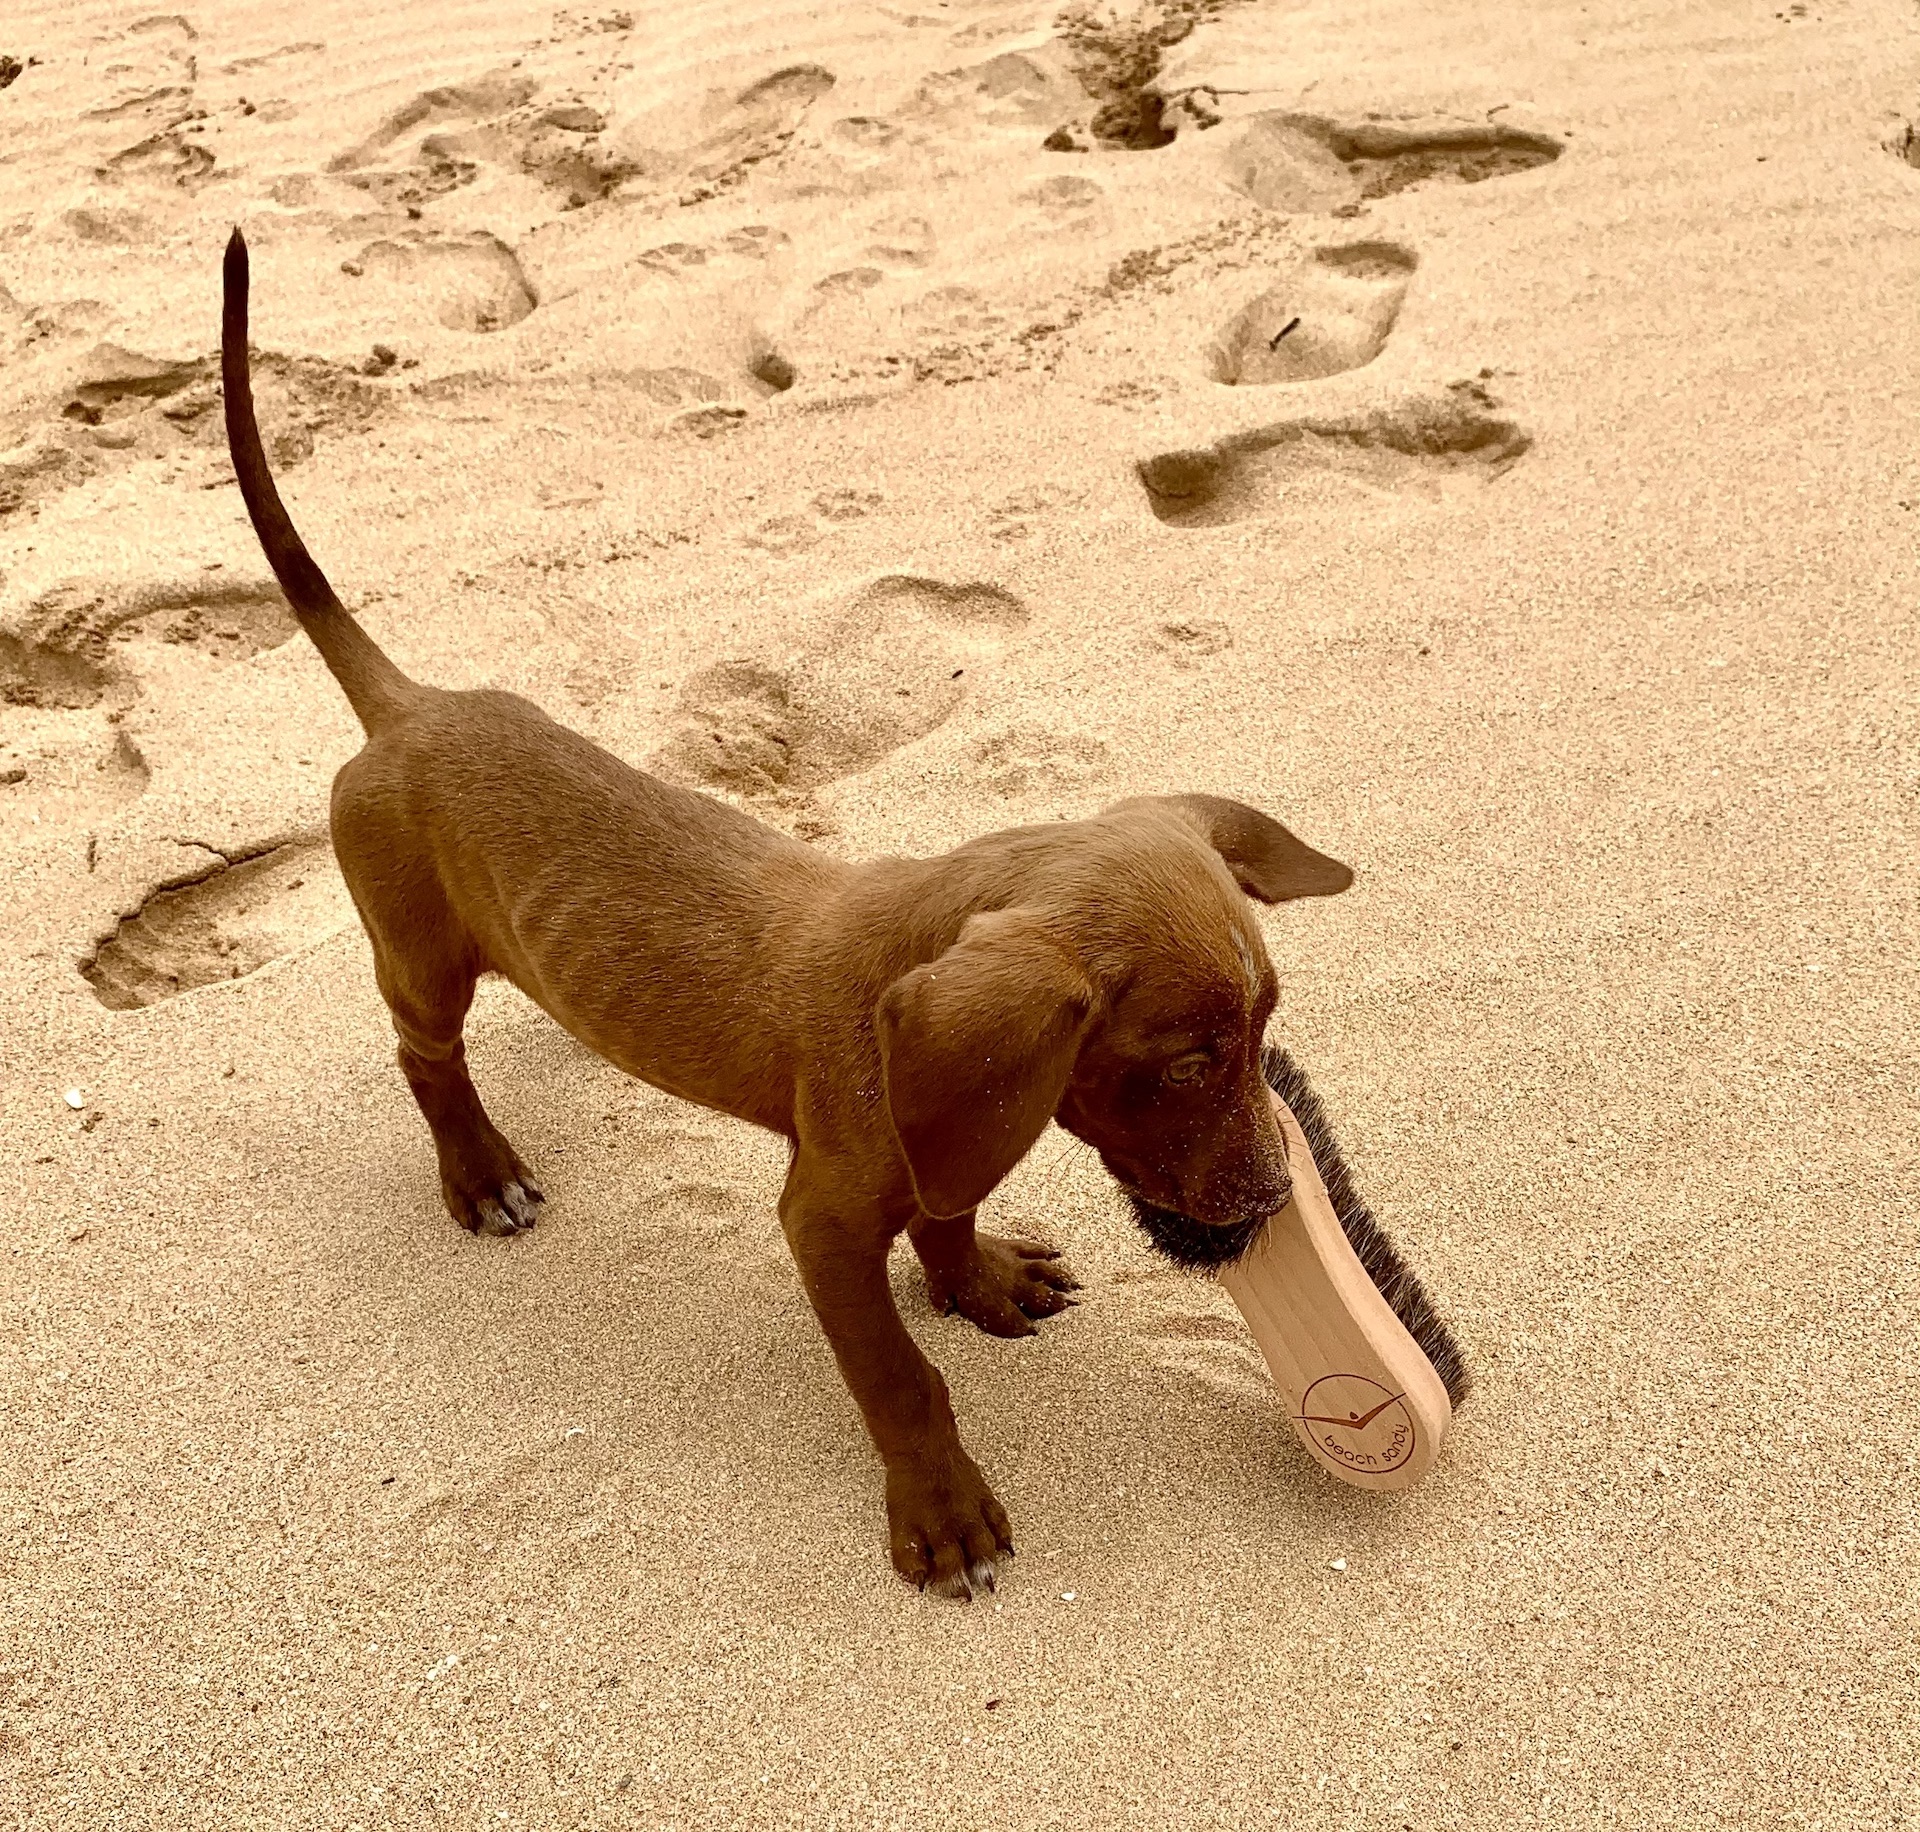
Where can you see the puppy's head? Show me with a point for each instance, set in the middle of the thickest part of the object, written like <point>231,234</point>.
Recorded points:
<point>1126,995</point>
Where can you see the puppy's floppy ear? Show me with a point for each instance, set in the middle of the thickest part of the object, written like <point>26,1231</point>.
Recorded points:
<point>1266,860</point>
<point>977,1048</point>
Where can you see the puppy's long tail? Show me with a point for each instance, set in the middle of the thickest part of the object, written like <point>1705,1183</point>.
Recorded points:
<point>375,688</point>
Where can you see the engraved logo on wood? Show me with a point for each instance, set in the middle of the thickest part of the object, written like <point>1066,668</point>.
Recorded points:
<point>1357,1424</point>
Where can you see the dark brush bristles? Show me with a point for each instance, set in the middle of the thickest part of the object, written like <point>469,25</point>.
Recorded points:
<point>1201,1248</point>
<point>1396,1280</point>
<point>1193,1244</point>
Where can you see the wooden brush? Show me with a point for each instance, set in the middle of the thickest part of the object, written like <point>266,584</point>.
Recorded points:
<point>1369,1372</point>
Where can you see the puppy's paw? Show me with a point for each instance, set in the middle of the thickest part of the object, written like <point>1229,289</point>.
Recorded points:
<point>513,1211</point>
<point>947,1532</point>
<point>1004,1285</point>
<point>499,1207</point>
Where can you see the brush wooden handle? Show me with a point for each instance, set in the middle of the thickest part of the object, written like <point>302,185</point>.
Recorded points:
<point>1362,1395</point>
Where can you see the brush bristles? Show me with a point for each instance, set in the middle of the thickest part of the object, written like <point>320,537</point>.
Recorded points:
<point>1395,1279</point>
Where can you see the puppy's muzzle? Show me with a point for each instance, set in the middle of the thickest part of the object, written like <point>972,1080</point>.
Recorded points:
<point>1205,1245</point>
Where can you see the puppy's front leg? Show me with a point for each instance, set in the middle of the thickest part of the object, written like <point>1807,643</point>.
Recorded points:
<point>997,1283</point>
<point>945,1528</point>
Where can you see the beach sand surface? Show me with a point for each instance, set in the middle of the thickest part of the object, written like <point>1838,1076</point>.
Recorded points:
<point>885,416</point>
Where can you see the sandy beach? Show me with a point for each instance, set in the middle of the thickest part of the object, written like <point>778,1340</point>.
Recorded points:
<point>1480,436</point>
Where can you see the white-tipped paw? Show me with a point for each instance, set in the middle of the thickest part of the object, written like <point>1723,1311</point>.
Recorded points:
<point>513,1210</point>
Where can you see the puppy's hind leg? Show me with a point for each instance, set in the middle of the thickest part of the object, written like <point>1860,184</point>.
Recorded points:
<point>427,965</point>
<point>488,1189</point>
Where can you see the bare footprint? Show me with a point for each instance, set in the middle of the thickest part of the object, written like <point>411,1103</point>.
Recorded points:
<point>394,163</point>
<point>226,921</point>
<point>1302,163</point>
<point>168,158</point>
<point>227,619</point>
<point>1018,90</point>
<point>1016,515</point>
<point>114,407</point>
<point>892,667</point>
<point>60,651</point>
<point>468,283</point>
<point>148,68</point>
<point>1333,313</point>
<point>710,147</point>
<point>49,666</point>
<point>1423,446</point>
<point>783,535</point>
<point>152,70</point>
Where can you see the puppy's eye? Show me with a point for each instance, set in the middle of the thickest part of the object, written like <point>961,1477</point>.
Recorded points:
<point>1187,1069</point>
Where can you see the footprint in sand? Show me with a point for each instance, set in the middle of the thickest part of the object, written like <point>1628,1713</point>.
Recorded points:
<point>70,665</point>
<point>704,145</point>
<point>848,503</point>
<point>52,666</point>
<point>227,619</point>
<point>59,652</point>
<point>1066,204</point>
<point>151,69</point>
<point>116,407</point>
<point>561,145</point>
<point>169,158</point>
<point>1039,760</point>
<point>108,226</point>
<point>468,283</point>
<point>782,535</point>
<point>1189,641</point>
<point>1305,164</point>
<point>902,240</point>
<point>224,921</point>
<point>1333,313</point>
<point>1016,90</point>
<point>1016,515</point>
<point>1422,447</point>
<point>893,666</point>
<point>396,165</point>
<point>438,140</point>
<point>953,311</point>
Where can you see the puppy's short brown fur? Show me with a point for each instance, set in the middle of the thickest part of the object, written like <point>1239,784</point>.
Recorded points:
<point>909,1026</point>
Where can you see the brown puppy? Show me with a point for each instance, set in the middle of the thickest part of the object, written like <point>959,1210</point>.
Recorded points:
<point>909,1026</point>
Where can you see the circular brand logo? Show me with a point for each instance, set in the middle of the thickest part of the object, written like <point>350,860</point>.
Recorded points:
<point>1357,1424</point>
